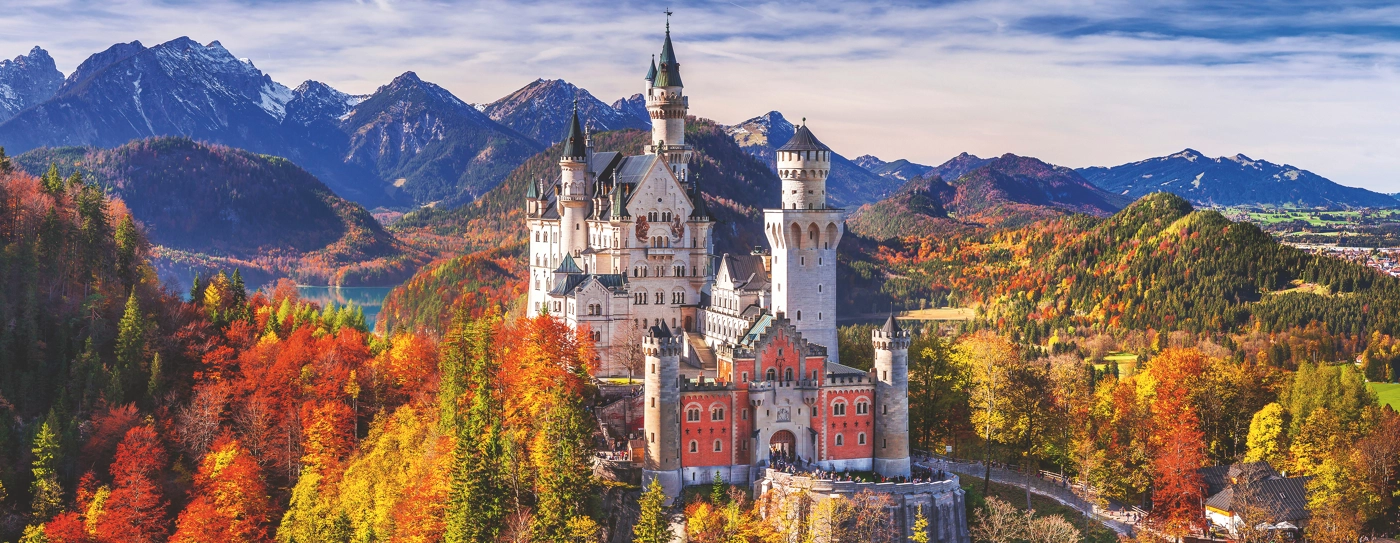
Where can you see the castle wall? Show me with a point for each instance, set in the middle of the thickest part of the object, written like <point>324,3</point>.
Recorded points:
<point>942,502</point>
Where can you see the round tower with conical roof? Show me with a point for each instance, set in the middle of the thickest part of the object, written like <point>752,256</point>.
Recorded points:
<point>668,106</point>
<point>803,234</point>
<point>573,188</point>
<point>803,164</point>
<point>661,412</point>
<point>891,375</point>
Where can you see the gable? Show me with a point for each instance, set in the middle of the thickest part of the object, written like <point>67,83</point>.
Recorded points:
<point>659,190</point>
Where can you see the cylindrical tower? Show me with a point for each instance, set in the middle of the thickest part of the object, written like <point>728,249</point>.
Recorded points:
<point>804,233</point>
<point>891,376</point>
<point>573,189</point>
<point>803,164</point>
<point>667,105</point>
<point>661,418</point>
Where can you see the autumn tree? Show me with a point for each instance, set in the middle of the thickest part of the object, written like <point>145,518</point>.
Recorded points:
<point>229,501</point>
<point>653,524</point>
<point>990,360</point>
<point>135,509</point>
<point>1177,440</point>
<point>1267,432</point>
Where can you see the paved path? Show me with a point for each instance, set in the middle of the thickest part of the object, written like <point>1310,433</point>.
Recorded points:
<point>974,472</point>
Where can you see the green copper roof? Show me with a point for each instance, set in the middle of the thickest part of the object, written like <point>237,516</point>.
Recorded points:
<point>533,191</point>
<point>651,74</point>
<point>669,74</point>
<point>619,203</point>
<point>568,266</point>
<point>575,144</point>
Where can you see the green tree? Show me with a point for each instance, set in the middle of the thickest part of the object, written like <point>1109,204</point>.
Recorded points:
<point>477,505</point>
<point>128,240</point>
<point>717,488</point>
<point>47,493</point>
<point>131,346</point>
<point>153,384</point>
<point>653,525</point>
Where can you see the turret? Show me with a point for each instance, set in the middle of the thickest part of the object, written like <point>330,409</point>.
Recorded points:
<point>667,105</point>
<point>803,164</point>
<point>661,415</point>
<point>573,188</point>
<point>891,376</point>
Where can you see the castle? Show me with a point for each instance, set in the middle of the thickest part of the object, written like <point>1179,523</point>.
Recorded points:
<point>738,352</point>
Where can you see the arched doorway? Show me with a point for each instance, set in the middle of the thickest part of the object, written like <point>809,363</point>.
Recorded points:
<point>782,445</point>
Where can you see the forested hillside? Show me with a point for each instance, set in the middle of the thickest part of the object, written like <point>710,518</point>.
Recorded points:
<point>133,415</point>
<point>1158,264</point>
<point>208,207</point>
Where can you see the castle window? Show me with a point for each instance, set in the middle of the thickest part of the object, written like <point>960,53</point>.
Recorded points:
<point>819,288</point>
<point>787,374</point>
<point>884,409</point>
<point>653,437</point>
<point>660,298</point>
<point>744,413</point>
<point>717,413</point>
<point>694,446</point>
<point>884,443</point>
<point>772,374</point>
<point>746,379</point>
<point>838,408</point>
<point>719,446</point>
<point>840,440</point>
<point>862,408</point>
<point>860,438</point>
<point>799,314</point>
<point>653,371</point>
<point>692,415</point>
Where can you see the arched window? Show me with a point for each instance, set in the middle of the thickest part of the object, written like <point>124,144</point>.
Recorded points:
<point>716,413</point>
<point>787,374</point>
<point>694,446</point>
<point>692,414</point>
<point>838,408</point>
<point>772,374</point>
<point>862,408</point>
<point>660,298</point>
<point>719,446</point>
<point>860,438</point>
<point>840,440</point>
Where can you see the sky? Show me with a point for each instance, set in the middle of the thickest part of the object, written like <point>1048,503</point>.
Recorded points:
<point>1073,82</point>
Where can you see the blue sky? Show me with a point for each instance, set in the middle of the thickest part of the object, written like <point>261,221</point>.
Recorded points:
<point>1074,82</point>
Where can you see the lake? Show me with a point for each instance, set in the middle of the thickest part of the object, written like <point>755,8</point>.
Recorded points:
<point>369,298</point>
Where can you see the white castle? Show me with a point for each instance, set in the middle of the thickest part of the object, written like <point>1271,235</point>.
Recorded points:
<point>738,352</point>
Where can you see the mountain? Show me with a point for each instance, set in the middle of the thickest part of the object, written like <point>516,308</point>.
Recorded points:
<point>210,206</point>
<point>849,185</point>
<point>636,106</point>
<point>901,169</point>
<point>1003,192</point>
<point>736,187</point>
<point>27,80</point>
<point>542,109</point>
<point>411,142</point>
<point>1227,181</point>
<point>431,144</point>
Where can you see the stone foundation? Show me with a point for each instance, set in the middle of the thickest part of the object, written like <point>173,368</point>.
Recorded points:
<point>941,502</point>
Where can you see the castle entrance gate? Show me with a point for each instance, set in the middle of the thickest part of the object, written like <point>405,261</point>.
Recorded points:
<point>782,445</point>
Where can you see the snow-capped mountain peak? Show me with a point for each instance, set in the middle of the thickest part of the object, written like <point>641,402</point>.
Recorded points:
<point>27,80</point>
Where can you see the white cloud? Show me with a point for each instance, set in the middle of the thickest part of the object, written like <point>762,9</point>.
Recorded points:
<point>1075,82</point>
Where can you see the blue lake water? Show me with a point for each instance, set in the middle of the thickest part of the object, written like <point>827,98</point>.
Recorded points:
<point>369,298</point>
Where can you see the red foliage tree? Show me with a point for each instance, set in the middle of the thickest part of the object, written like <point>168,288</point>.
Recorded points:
<point>66,528</point>
<point>1178,442</point>
<point>229,501</point>
<point>135,511</point>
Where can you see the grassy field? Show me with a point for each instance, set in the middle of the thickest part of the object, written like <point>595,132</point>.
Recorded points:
<point>940,314</point>
<point>1389,393</point>
<point>1127,363</point>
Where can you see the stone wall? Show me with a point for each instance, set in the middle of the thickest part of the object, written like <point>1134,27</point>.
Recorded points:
<point>942,502</point>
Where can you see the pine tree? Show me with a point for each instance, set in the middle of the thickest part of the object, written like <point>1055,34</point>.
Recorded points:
<point>53,183</point>
<point>5,165</point>
<point>153,384</point>
<point>196,290</point>
<point>48,494</point>
<point>128,240</point>
<point>717,490</point>
<point>131,346</point>
<point>477,508</point>
<point>653,525</point>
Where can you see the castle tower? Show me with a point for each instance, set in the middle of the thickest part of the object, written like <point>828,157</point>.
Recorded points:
<point>573,189</point>
<point>667,105</point>
<point>891,376</point>
<point>661,415</point>
<point>804,233</point>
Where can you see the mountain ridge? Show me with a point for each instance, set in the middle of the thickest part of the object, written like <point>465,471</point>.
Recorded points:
<point>1227,181</point>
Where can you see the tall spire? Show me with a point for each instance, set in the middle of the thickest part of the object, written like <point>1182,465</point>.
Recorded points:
<point>651,74</point>
<point>575,144</point>
<point>669,72</point>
